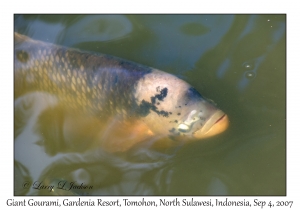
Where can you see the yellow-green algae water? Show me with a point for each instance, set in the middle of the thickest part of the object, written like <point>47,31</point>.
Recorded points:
<point>238,61</point>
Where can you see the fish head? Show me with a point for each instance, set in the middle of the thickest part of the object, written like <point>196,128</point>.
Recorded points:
<point>200,117</point>
<point>174,108</point>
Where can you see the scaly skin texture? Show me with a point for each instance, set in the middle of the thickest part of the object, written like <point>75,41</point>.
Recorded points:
<point>94,82</point>
<point>104,86</point>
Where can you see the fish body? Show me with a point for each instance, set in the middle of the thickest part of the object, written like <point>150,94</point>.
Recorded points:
<point>152,101</point>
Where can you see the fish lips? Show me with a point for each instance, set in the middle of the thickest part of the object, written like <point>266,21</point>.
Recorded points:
<point>216,124</point>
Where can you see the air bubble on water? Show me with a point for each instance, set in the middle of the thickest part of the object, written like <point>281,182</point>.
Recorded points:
<point>250,75</point>
<point>248,66</point>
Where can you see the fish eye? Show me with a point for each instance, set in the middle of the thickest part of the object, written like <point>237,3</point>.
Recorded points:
<point>183,128</point>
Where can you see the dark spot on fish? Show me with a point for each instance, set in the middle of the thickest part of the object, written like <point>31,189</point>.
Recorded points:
<point>157,103</point>
<point>178,114</point>
<point>145,107</point>
<point>153,100</point>
<point>179,106</point>
<point>185,104</point>
<point>170,112</point>
<point>163,113</point>
<point>22,56</point>
<point>161,96</point>
<point>176,121</point>
<point>172,130</point>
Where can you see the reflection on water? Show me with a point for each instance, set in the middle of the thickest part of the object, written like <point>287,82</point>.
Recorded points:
<point>101,28</point>
<point>29,26</point>
<point>237,60</point>
<point>176,37</point>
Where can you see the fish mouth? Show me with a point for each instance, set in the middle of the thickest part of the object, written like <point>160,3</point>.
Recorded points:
<point>218,123</point>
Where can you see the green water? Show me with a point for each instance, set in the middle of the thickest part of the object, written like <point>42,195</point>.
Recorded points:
<point>238,61</point>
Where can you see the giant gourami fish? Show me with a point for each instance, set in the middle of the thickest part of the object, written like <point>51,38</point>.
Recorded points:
<point>145,101</point>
